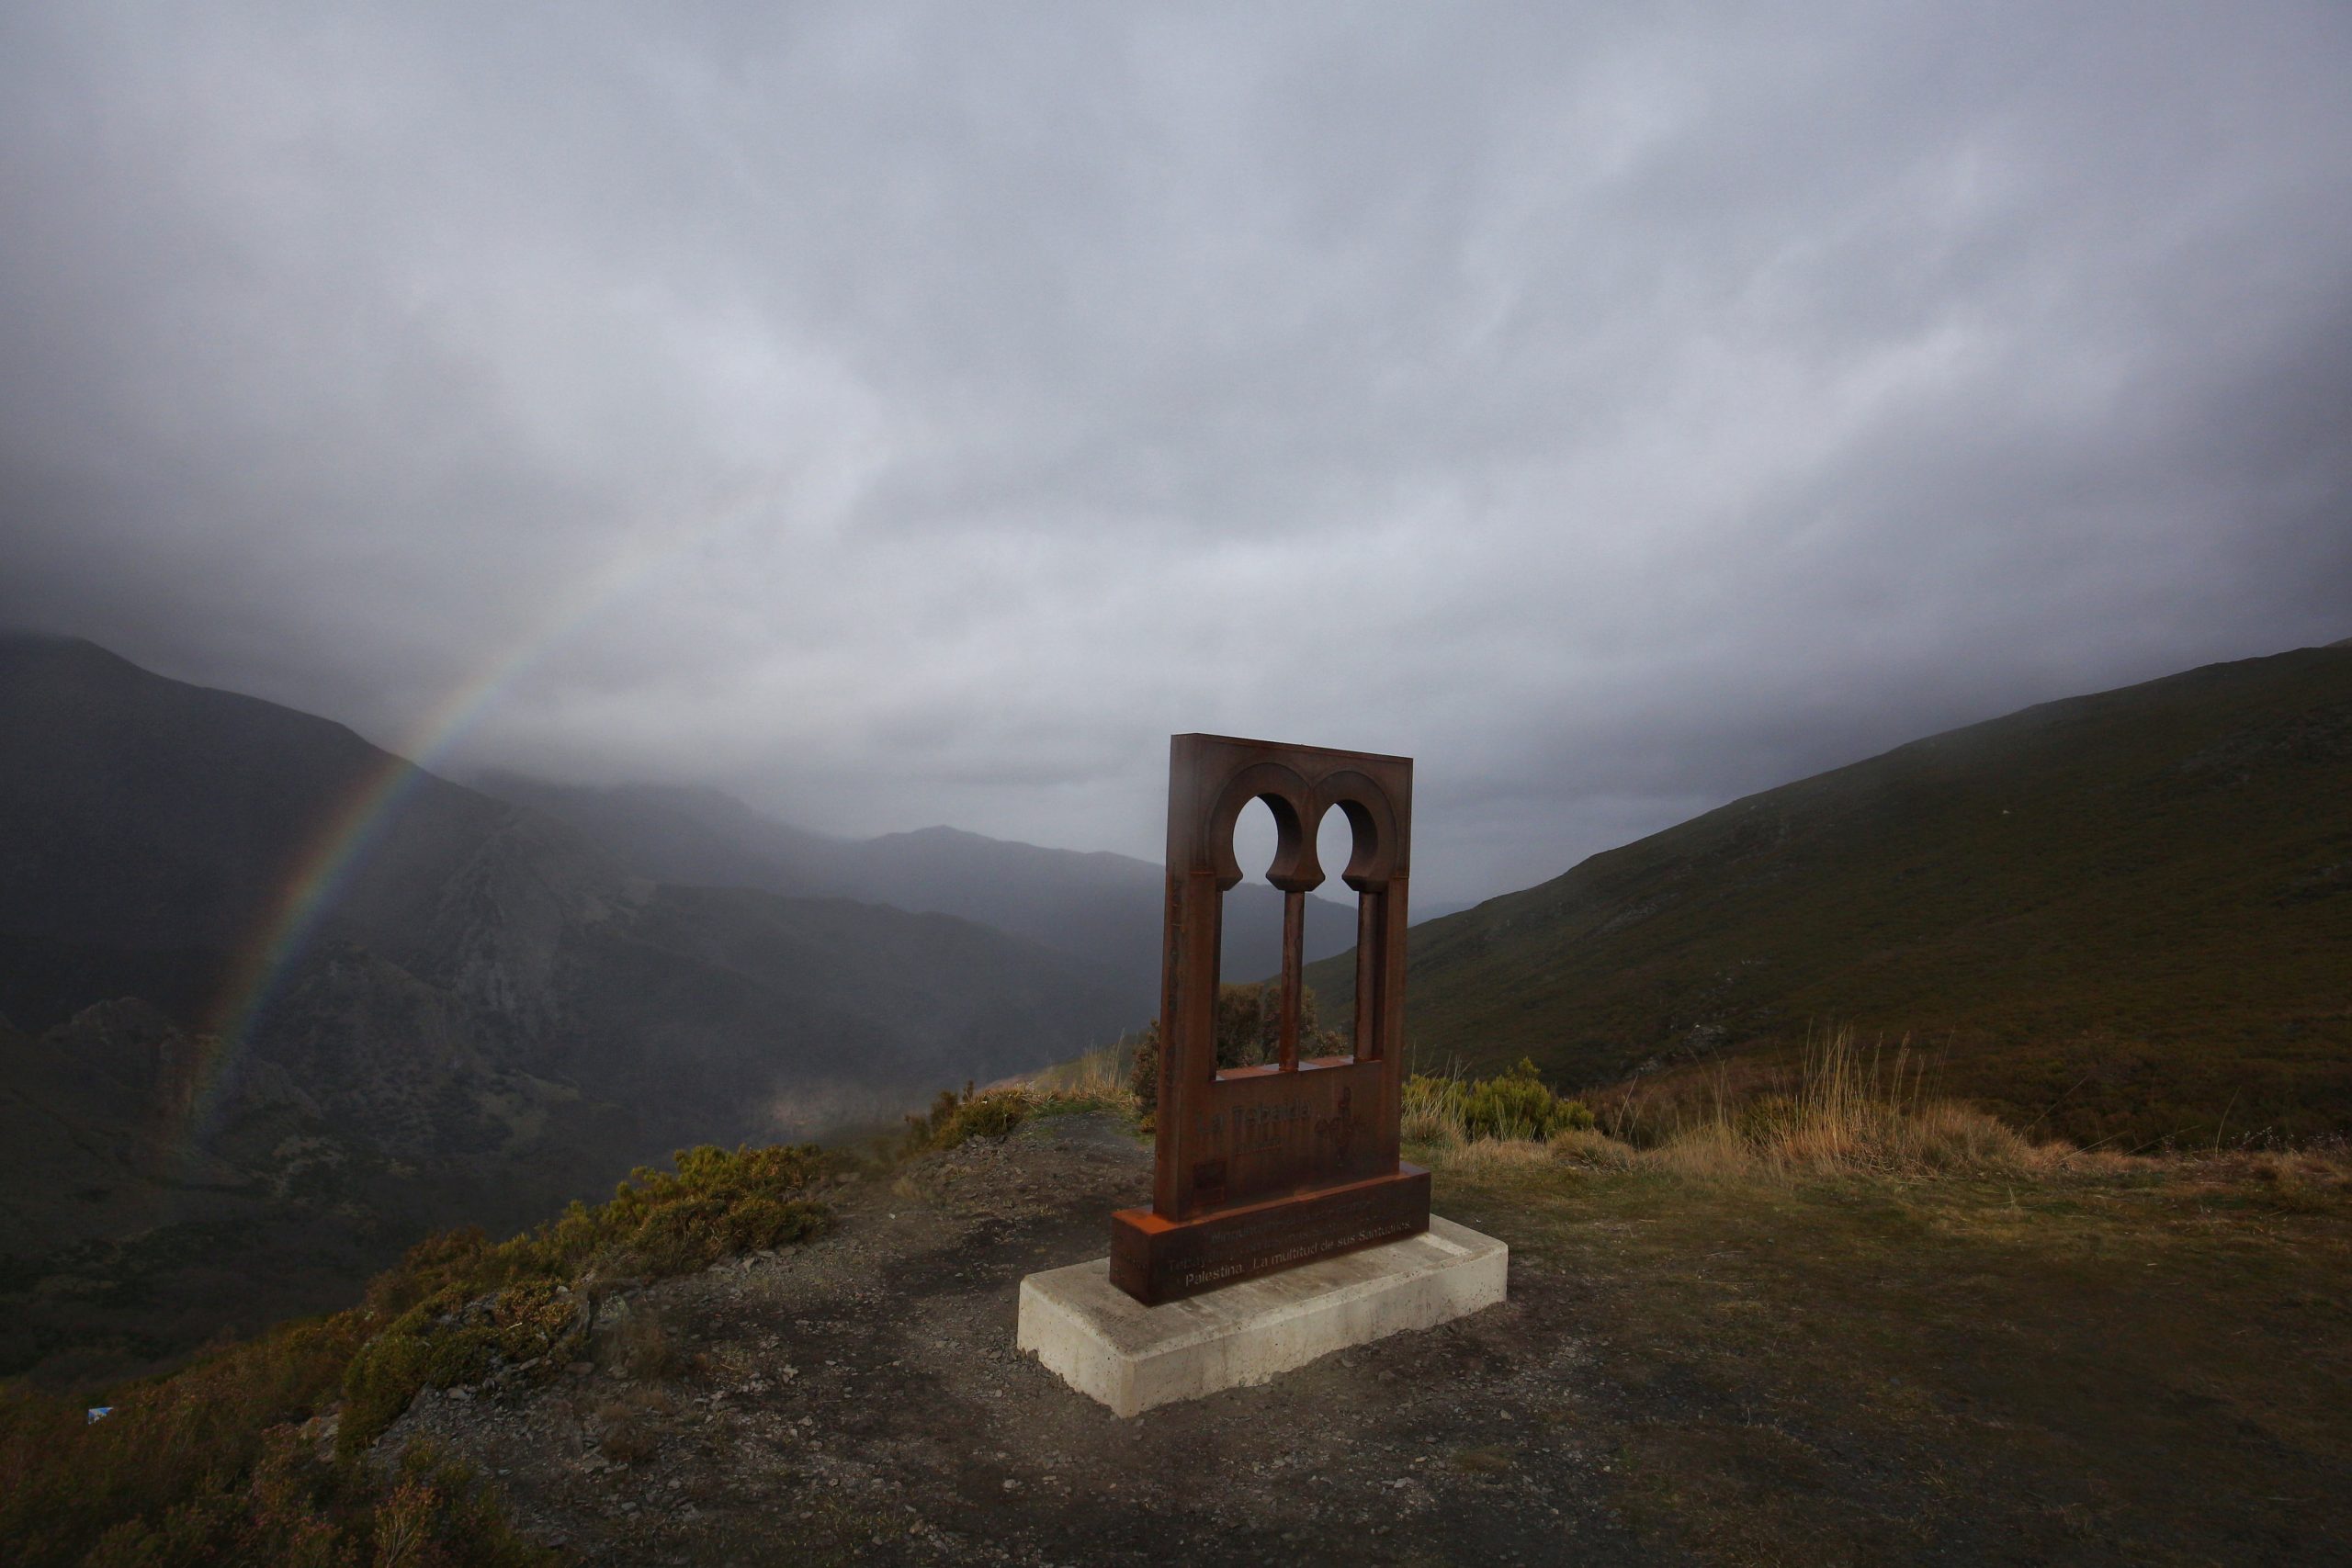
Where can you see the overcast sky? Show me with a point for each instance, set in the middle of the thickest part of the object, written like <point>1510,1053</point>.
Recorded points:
<point>910,415</point>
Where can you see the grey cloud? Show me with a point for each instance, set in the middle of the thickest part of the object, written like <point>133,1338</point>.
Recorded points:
<point>914,414</point>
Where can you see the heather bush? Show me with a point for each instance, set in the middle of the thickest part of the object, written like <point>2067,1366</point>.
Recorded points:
<point>209,1465</point>
<point>952,1118</point>
<point>719,1202</point>
<point>465,1309</point>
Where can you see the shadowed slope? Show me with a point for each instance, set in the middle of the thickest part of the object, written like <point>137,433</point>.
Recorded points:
<point>2137,904</point>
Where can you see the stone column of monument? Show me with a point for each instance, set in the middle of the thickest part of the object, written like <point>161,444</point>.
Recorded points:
<point>1280,1215</point>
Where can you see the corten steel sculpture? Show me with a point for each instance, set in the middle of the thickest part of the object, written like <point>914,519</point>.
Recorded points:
<point>1262,1168</point>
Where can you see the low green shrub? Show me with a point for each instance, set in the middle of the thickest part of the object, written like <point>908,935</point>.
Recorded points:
<point>381,1380</point>
<point>1516,1104</point>
<point>952,1118</point>
<point>659,1223</point>
<point>1519,1105</point>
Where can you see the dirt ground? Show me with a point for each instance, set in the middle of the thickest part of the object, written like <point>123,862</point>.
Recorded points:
<point>1640,1397</point>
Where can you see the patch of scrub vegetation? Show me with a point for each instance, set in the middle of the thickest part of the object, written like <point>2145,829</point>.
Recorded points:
<point>1837,1106</point>
<point>230,1459</point>
<point>1512,1105</point>
<point>953,1118</point>
<point>221,1462</point>
<point>1840,1107</point>
<point>460,1309</point>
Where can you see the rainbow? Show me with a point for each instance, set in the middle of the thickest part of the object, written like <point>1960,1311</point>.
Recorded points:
<point>349,830</point>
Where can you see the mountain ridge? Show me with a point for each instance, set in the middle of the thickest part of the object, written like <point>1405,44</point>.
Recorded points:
<point>488,1015</point>
<point>2139,889</point>
<point>1099,906</point>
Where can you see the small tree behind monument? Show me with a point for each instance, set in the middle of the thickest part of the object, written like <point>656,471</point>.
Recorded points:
<point>1248,1034</point>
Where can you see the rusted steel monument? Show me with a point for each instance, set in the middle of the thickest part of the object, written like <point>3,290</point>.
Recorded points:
<point>1262,1168</point>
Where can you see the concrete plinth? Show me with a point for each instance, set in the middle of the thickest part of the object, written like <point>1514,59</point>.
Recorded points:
<point>1105,1343</point>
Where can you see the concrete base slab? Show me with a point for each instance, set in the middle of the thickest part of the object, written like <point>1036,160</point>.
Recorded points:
<point>1105,1343</point>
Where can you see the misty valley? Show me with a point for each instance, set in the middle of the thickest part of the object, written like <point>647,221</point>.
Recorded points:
<point>277,1002</point>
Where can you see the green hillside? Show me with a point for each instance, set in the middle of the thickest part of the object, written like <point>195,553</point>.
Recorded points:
<point>2135,907</point>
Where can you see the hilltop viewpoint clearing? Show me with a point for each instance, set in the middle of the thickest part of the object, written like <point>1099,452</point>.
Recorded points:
<point>1838,1322</point>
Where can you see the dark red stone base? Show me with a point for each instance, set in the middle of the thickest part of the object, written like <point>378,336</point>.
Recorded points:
<point>1158,1261</point>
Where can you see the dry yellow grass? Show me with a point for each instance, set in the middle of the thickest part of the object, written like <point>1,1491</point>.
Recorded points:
<point>1432,1123</point>
<point>1845,1108</point>
<point>1099,1074</point>
<point>1482,1154</point>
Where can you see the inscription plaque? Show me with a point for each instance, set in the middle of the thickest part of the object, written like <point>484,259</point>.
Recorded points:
<point>1262,1169</point>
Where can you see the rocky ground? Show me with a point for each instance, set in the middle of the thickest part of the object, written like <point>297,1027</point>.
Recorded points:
<point>860,1399</point>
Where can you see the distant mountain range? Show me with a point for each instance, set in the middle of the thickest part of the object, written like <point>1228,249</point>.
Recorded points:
<point>2123,917</point>
<point>1101,907</point>
<point>339,998</point>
